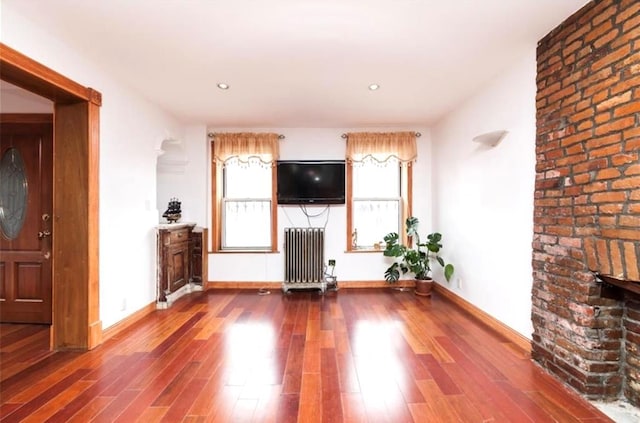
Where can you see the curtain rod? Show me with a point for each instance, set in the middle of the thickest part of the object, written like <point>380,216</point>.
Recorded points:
<point>418,135</point>
<point>213,135</point>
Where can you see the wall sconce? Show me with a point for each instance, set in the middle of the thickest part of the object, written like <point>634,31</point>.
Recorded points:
<point>491,138</point>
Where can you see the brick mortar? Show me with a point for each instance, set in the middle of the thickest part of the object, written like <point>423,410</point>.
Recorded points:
<point>587,198</point>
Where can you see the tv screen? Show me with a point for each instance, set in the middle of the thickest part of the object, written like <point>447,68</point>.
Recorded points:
<point>311,182</point>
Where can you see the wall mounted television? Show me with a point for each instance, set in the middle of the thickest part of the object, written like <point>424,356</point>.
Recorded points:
<point>311,181</point>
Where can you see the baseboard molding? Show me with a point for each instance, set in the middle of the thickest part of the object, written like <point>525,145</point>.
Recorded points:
<point>484,318</point>
<point>278,285</point>
<point>243,285</point>
<point>123,324</point>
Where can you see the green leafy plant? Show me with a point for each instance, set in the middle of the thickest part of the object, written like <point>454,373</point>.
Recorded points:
<point>417,258</point>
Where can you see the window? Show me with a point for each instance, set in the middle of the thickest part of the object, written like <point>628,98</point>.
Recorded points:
<point>244,207</point>
<point>379,187</point>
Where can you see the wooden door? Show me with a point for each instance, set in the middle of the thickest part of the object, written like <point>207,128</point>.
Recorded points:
<point>26,182</point>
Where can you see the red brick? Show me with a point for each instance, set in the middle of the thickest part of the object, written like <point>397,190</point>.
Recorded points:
<point>624,234</point>
<point>630,221</point>
<point>606,38</point>
<point>596,187</point>
<point>632,144</point>
<point>615,209</point>
<point>560,230</point>
<point>632,170</point>
<point>605,15</point>
<point>635,195</point>
<point>614,101</point>
<point>625,85</point>
<point>622,159</point>
<point>573,159</point>
<point>607,220</point>
<point>600,163</point>
<point>605,151</point>
<point>613,57</point>
<point>608,174</point>
<point>625,37</point>
<point>626,183</point>
<point>631,23</point>
<point>574,149</point>
<point>603,117</point>
<point>582,178</point>
<point>602,253</point>
<point>615,125</point>
<point>631,258</point>
<point>627,109</point>
<point>580,136</point>
<point>602,141</point>
<point>565,92</point>
<point>616,258</point>
<point>588,210</point>
<point>583,114</point>
<point>608,197</point>
<point>631,12</point>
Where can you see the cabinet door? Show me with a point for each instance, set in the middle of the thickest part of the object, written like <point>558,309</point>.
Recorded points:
<point>178,274</point>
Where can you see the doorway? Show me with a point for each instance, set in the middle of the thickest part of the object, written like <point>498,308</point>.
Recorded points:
<point>74,219</point>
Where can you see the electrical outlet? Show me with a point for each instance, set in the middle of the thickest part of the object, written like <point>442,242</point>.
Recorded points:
<point>332,262</point>
<point>123,304</point>
<point>459,282</point>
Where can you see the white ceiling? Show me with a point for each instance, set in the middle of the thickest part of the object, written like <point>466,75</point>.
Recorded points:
<point>301,63</point>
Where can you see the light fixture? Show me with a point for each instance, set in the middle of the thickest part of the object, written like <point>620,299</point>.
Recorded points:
<point>223,86</point>
<point>491,138</point>
<point>374,87</point>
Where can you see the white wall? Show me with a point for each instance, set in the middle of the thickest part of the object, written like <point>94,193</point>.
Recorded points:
<point>131,129</point>
<point>301,144</point>
<point>483,197</point>
<point>189,183</point>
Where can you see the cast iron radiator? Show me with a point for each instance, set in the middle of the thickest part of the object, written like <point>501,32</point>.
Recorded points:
<point>303,258</point>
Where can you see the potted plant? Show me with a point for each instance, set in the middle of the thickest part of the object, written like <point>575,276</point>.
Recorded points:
<point>415,258</point>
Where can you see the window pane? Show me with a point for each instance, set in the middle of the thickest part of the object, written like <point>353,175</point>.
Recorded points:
<point>247,180</point>
<point>376,180</point>
<point>373,219</point>
<point>246,224</point>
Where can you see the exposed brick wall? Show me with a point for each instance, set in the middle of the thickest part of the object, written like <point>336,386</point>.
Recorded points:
<point>587,199</point>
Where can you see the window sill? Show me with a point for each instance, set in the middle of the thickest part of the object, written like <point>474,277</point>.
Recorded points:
<point>244,252</point>
<point>364,250</point>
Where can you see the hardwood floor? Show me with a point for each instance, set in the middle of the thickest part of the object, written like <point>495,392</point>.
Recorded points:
<point>365,355</point>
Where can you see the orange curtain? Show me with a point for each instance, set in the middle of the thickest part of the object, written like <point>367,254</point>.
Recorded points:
<point>381,146</point>
<point>245,147</point>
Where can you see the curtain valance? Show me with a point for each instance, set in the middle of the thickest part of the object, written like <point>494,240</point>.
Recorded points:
<point>245,147</point>
<point>382,146</point>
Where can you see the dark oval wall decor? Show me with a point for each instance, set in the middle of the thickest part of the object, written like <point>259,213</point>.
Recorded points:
<point>13,193</point>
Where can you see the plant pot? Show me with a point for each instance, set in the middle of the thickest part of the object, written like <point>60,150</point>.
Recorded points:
<point>424,287</point>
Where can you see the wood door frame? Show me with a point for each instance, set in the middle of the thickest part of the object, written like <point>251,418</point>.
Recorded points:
<point>76,143</point>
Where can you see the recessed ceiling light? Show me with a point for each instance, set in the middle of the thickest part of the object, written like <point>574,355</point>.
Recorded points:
<point>223,86</point>
<point>374,87</point>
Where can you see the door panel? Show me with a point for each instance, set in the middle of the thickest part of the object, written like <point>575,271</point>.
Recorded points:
<point>25,249</point>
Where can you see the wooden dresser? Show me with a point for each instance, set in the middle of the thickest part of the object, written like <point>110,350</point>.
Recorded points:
<point>180,261</point>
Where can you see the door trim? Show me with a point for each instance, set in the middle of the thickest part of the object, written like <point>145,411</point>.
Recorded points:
<point>76,300</point>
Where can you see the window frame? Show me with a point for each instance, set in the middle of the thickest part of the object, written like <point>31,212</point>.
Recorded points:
<point>217,195</point>
<point>406,203</point>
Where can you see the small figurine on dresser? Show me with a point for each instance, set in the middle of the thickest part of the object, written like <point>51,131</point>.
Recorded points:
<point>173,212</point>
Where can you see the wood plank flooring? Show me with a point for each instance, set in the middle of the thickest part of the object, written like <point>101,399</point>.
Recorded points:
<point>360,355</point>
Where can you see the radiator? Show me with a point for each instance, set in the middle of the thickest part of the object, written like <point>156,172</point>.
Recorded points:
<point>303,258</point>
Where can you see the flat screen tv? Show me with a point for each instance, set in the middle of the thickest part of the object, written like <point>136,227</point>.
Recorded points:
<point>311,182</point>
